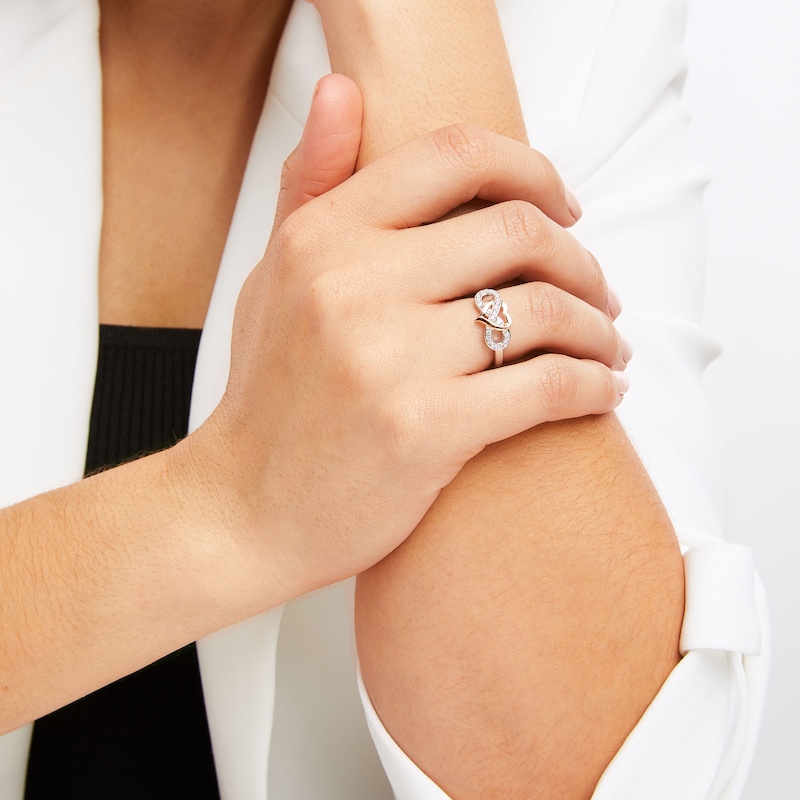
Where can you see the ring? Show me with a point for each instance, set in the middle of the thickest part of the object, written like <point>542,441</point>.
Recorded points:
<point>494,316</point>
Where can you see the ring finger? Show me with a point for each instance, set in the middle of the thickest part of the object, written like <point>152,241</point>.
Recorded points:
<point>544,319</point>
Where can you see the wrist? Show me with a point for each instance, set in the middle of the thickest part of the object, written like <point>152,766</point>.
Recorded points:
<point>452,57</point>
<point>230,541</point>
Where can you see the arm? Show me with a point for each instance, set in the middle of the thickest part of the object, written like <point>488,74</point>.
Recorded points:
<point>104,576</point>
<point>410,60</point>
<point>514,640</point>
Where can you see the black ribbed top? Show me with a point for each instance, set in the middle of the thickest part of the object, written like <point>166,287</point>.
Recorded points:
<point>142,392</point>
<point>144,737</point>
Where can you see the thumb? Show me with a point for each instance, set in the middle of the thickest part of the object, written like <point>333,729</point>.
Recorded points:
<point>328,150</point>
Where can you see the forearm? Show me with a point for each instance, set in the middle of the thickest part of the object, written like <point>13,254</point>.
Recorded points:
<point>512,643</point>
<point>417,64</point>
<point>542,595</point>
<point>107,575</point>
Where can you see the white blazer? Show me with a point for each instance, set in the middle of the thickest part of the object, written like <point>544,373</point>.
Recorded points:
<point>600,82</point>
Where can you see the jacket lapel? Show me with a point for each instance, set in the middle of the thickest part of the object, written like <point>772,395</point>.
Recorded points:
<point>50,153</point>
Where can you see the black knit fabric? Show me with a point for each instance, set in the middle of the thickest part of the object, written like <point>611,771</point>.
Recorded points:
<point>144,737</point>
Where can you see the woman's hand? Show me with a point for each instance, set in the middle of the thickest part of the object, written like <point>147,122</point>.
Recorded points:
<point>359,384</point>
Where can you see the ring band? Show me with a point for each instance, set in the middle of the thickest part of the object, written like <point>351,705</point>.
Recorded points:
<point>494,316</point>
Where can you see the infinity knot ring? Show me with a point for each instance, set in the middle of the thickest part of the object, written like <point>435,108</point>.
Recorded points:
<point>494,316</point>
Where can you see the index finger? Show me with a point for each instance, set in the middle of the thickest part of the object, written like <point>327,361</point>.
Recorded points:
<point>424,179</point>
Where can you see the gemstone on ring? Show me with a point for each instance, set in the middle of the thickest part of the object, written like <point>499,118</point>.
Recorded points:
<point>494,316</point>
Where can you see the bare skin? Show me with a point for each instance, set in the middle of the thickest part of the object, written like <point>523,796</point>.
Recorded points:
<point>174,151</point>
<point>515,639</point>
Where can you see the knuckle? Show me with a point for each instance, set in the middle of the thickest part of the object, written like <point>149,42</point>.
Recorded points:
<point>520,223</point>
<point>424,419</point>
<point>552,242</point>
<point>595,280</point>
<point>611,391</point>
<point>400,428</point>
<point>537,237</point>
<point>548,175</point>
<point>465,146</point>
<point>343,337</point>
<point>614,343</point>
<point>602,392</point>
<point>328,298</point>
<point>295,236</point>
<point>549,309</point>
<point>559,384</point>
<point>395,418</point>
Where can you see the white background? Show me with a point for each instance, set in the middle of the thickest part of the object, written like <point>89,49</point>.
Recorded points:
<point>744,93</point>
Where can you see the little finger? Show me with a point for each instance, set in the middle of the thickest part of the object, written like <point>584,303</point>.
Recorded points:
<point>426,178</point>
<point>500,403</point>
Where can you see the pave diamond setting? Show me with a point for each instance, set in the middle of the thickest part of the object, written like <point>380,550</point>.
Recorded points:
<point>488,337</point>
<point>494,316</point>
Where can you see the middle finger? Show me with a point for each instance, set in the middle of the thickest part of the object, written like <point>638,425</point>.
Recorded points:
<point>499,244</point>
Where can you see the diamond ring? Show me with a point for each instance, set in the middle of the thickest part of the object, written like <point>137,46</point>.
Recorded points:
<point>494,316</point>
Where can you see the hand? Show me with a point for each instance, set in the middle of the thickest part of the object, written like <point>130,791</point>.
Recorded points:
<point>359,384</point>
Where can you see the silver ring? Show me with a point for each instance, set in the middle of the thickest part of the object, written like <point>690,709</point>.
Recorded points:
<point>494,316</point>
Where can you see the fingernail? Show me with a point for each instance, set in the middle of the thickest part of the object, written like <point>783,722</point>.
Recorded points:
<point>573,204</point>
<point>627,350</point>
<point>614,305</point>
<point>316,91</point>
<point>623,382</point>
